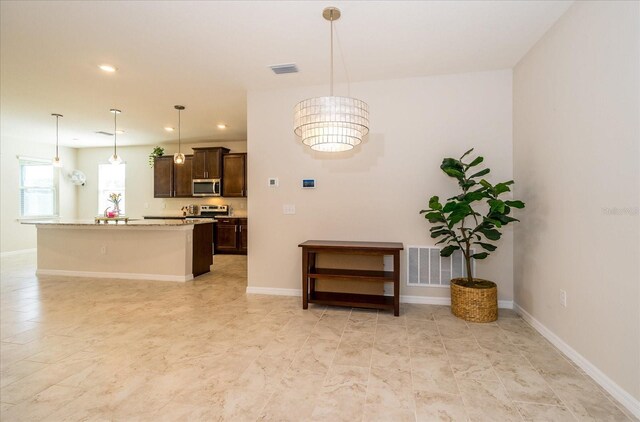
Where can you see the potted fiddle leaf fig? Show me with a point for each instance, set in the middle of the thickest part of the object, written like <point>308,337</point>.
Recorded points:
<point>470,222</point>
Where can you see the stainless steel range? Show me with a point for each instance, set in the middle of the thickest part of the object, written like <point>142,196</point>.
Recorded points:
<point>212,211</point>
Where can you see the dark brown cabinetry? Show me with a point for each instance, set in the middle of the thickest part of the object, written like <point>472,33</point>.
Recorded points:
<point>172,180</point>
<point>230,236</point>
<point>163,177</point>
<point>234,175</point>
<point>207,162</point>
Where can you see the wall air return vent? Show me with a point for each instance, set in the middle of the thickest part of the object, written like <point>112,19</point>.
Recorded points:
<point>425,267</point>
<point>279,69</point>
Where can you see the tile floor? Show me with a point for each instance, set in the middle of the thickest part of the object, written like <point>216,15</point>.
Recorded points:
<point>92,349</point>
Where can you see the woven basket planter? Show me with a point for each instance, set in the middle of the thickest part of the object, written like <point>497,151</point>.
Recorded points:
<point>475,304</point>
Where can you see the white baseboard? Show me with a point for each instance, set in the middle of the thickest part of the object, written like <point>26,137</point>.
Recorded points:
<point>438,300</point>
<point>428,300</point>
<point>18,252</point>
<point>128,276</point>
<point>627,400</point>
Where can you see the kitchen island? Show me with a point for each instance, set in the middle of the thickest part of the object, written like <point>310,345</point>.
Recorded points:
<point>165,250</point>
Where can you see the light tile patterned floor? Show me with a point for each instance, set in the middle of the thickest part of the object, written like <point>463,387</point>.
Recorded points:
<point>89,349</point>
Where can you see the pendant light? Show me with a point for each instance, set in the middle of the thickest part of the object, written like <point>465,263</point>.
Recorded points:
<point>178,157</point>
<point>331,124</point>
<point>56,160</point>
<point>115,159</point>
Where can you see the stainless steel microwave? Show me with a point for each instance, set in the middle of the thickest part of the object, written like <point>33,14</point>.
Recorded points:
<point>206,187</point>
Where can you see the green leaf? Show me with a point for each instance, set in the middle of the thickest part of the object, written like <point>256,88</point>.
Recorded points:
<point>453,172</point>
<point>436,228</point>
<point>496,223</point>
<point>434,203</point>
<point>440,233</point>
<point>496,205</point>
<point>466,184</point>
<point>481,255</point>
<point>474,196</point>
<point>442,240</point>
<point>480,173</point>
<point>449,206</point>
<point>466,153</point>
<point>490,234</point>
<point>487,246</point>
<point>475,162</point>
<point>434,217</point>
<point>456,217</point>
<point>504,219</point>
<point>448,250</point>
<point>486,184</point>
<point>502,188</point>
<point>515,204</point>
<point>452,167</point>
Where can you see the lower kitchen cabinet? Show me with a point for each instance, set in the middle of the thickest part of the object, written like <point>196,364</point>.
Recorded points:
<point>230,236</point>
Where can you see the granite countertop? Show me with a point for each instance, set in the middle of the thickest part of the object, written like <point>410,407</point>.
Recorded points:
<point>180,217</point>
<point>130,223</point>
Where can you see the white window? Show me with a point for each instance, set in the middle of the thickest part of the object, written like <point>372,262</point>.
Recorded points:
<point>110,180</point>
<point>38,188</point>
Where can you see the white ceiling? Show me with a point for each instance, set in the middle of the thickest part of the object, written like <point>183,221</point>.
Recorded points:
<point>207,55</point>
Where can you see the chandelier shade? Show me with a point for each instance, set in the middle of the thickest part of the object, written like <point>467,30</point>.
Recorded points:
<point>331,124</point>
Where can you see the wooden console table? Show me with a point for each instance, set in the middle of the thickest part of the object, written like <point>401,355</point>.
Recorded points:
<point>310,273</point>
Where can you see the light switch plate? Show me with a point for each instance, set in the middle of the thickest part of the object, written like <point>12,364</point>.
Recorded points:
<point>288,209</point>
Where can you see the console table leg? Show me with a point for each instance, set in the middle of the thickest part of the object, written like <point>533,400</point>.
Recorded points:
<point>305,279</point>
<point>396,283</point>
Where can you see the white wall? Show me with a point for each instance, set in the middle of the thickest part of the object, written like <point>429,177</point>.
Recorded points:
<point>13,235</point>
<point>374,192</point>
<point>139,181</point>
<point>576,157</point>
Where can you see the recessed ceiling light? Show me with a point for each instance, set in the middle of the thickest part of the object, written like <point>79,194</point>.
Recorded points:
<point>168,129</point>
<point>119,131</point>
<point>107,68</point>
<point>221,126</point>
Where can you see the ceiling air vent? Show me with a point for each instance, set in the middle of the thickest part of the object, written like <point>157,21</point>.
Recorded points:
<point>279,69</point>
<point>102,132</point>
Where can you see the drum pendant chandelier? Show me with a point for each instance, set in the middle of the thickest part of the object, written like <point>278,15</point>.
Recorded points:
<point>331,124</point>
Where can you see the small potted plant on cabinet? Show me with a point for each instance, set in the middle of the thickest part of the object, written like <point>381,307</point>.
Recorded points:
<point>157,152</point>
<point>459,226</point>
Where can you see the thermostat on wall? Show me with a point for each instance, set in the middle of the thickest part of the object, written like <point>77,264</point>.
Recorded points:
<point>308,183</point>
<point>272,182</point>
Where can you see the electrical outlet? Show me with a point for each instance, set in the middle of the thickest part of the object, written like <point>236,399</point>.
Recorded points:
<point>103,249</point>
<point>146,205</point>
<point>164,205</point>
<point>288,209</point>
<point>563,298</point>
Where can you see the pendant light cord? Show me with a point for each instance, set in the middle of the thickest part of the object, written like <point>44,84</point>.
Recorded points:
<point>57,118</point>
<point>331,61</point>
<point>179,132</point>
<point>115,134</point>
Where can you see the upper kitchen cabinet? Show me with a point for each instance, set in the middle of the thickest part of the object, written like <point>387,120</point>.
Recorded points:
<point>234,175</point>
<point>163,177</point>
<point>172,180</point>
<point>207,162</point>
<point>182,185</point>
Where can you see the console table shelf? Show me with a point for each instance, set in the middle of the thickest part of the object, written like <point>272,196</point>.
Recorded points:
<point>310,273</point>
<point>355,274</point>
